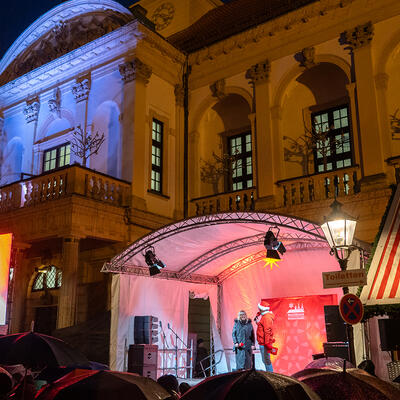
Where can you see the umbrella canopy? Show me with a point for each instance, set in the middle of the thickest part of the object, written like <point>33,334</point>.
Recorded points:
<point>335,363</point>
<point>354,384</point>
<point>86,385</point>
<point>37,351</point>
<point>250,385</point>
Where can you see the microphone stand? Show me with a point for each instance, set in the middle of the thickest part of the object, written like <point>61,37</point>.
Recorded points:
<point>164,344</point>
<point>176,348</point>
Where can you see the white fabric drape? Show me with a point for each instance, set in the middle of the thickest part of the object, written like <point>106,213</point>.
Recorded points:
<point>168,300</point>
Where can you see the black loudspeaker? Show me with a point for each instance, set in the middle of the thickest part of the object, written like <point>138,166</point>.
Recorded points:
<point>142,360</point>
<point>145,330</point>
<point>337,349</point>
<point>389,332</point>
<point>334,324</point>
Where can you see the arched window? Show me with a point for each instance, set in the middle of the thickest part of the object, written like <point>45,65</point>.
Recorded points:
<point>49,277</point>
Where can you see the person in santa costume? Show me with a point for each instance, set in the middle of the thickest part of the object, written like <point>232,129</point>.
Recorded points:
<point>243,341</point>
<point>265,334</point>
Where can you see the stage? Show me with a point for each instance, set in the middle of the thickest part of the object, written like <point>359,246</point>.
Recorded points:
<point>221,257</point>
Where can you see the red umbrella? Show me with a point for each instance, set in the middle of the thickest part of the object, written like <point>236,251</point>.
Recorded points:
<point>250,385</point>
<point>35,350</point>
<point>102,385</point>
<point>352,384</point>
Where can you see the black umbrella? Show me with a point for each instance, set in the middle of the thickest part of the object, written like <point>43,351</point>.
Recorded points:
<point>250,385</point>
<point>36,351</point>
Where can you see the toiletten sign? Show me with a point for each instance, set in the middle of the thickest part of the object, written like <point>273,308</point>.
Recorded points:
<point>352,277</point>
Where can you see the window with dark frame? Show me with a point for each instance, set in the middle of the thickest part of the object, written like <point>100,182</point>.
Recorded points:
<point>242,168</point>
<point>57,157</point>
<point>49,278</point>
<point>157,155</point>
<point>336,151</point>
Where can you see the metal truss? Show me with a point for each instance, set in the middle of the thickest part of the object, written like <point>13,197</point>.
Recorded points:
<point>142,271</point>
<point>268,219</point>
<point>241,243</point>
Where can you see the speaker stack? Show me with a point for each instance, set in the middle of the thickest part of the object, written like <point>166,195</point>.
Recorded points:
<point>142,360</point>
<point>143,355</point>
<point>337,344</point>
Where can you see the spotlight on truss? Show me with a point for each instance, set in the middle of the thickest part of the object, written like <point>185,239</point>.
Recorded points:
<point>154,263</point>
<point>273,247</point>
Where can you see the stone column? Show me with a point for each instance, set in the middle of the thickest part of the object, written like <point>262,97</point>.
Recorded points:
<point>31,113</point>
<point>264,159</point>
<point>80,91</point>
<point>359,40</point>
<point>135,76</point>
<point>179,150</point>
<point>19,290</point>
<point>68,292</point>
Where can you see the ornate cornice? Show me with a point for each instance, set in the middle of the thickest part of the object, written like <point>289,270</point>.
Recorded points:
<point>179,94</point>
<point>135,70</point>
<point>268,29</point>
<point>31,110</point>
<point>259,72</point>
<point>360,36</point>
<point>81,89</point>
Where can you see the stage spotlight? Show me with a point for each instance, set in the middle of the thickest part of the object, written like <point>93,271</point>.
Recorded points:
<point>273,255</point>
<point>271,241</point>
<point>155,264</point>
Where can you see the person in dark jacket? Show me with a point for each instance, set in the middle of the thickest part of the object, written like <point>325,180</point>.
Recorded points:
<point>243,341</point>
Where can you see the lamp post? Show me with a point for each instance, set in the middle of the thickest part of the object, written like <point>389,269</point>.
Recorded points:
<point>339,230</point>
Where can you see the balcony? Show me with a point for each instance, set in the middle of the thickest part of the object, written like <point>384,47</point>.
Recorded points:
<point>310,188</point>
<point>243,200</point>
<point>71,180</point>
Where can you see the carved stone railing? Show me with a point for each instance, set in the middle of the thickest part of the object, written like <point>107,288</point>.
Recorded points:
<point>243,200</point>
<point>306,189</point>
<point>72,180</point>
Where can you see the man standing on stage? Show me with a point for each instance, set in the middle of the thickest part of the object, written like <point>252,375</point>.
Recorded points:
<point>243,340</point>
<point>265,335</point>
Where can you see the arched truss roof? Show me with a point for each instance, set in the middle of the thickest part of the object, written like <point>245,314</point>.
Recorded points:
<point>213,247</point>
<point>52,19</point>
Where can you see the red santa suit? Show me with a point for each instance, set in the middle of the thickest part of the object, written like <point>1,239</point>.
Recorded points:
<point>265,334</point>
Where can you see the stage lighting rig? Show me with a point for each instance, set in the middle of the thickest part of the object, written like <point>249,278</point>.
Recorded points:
<point>154,263</point>
<point>273,247</point>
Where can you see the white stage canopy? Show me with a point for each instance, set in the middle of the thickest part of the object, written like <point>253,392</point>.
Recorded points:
<point>219,256</point>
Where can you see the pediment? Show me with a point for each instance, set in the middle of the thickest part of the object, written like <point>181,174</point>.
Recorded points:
<point>63,38</point>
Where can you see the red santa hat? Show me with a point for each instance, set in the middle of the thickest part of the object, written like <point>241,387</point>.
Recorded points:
<point>263,305</point>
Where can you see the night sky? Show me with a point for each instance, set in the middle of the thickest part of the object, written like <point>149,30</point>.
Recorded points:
<point>16,16</point>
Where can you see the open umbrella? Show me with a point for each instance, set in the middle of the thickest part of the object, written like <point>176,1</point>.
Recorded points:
<point>250,385</point>
<point>102,385</point>
<point>336,363</point>
<point>37,351</point>
<point>352,384</point>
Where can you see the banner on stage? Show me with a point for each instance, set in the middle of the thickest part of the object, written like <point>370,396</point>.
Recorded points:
<point>352,277</point>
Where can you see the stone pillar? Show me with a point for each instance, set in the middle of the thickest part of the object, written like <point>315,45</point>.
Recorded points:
<point>179,150</point>
<point>258,76</point>
<point>80,91</point>
<point>19,289</point>
<point>135,76</point>
<point>31,113</point>
<point>68,291</point>
<point>359,40</point>
<point>351,92</point>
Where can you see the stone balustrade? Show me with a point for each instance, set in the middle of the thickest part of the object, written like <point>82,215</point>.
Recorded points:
<point>306,189</point>
<point>72,180</point>
<point>243,200</point>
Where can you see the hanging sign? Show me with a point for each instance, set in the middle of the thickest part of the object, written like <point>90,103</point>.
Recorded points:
<point>352,277</point>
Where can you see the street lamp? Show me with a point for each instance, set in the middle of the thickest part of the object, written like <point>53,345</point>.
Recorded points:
<point>339,230</point>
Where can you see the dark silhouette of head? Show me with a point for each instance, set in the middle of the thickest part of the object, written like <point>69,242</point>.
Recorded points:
<point>169,383</point>
<point>367,366</point>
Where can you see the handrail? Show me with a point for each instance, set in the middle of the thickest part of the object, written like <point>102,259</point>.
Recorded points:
<point>211,357</point>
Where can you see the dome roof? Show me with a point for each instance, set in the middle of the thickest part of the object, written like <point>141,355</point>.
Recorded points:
<point>61,30</point>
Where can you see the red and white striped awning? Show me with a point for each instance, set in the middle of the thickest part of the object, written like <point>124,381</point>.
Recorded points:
<point>384,272</point>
